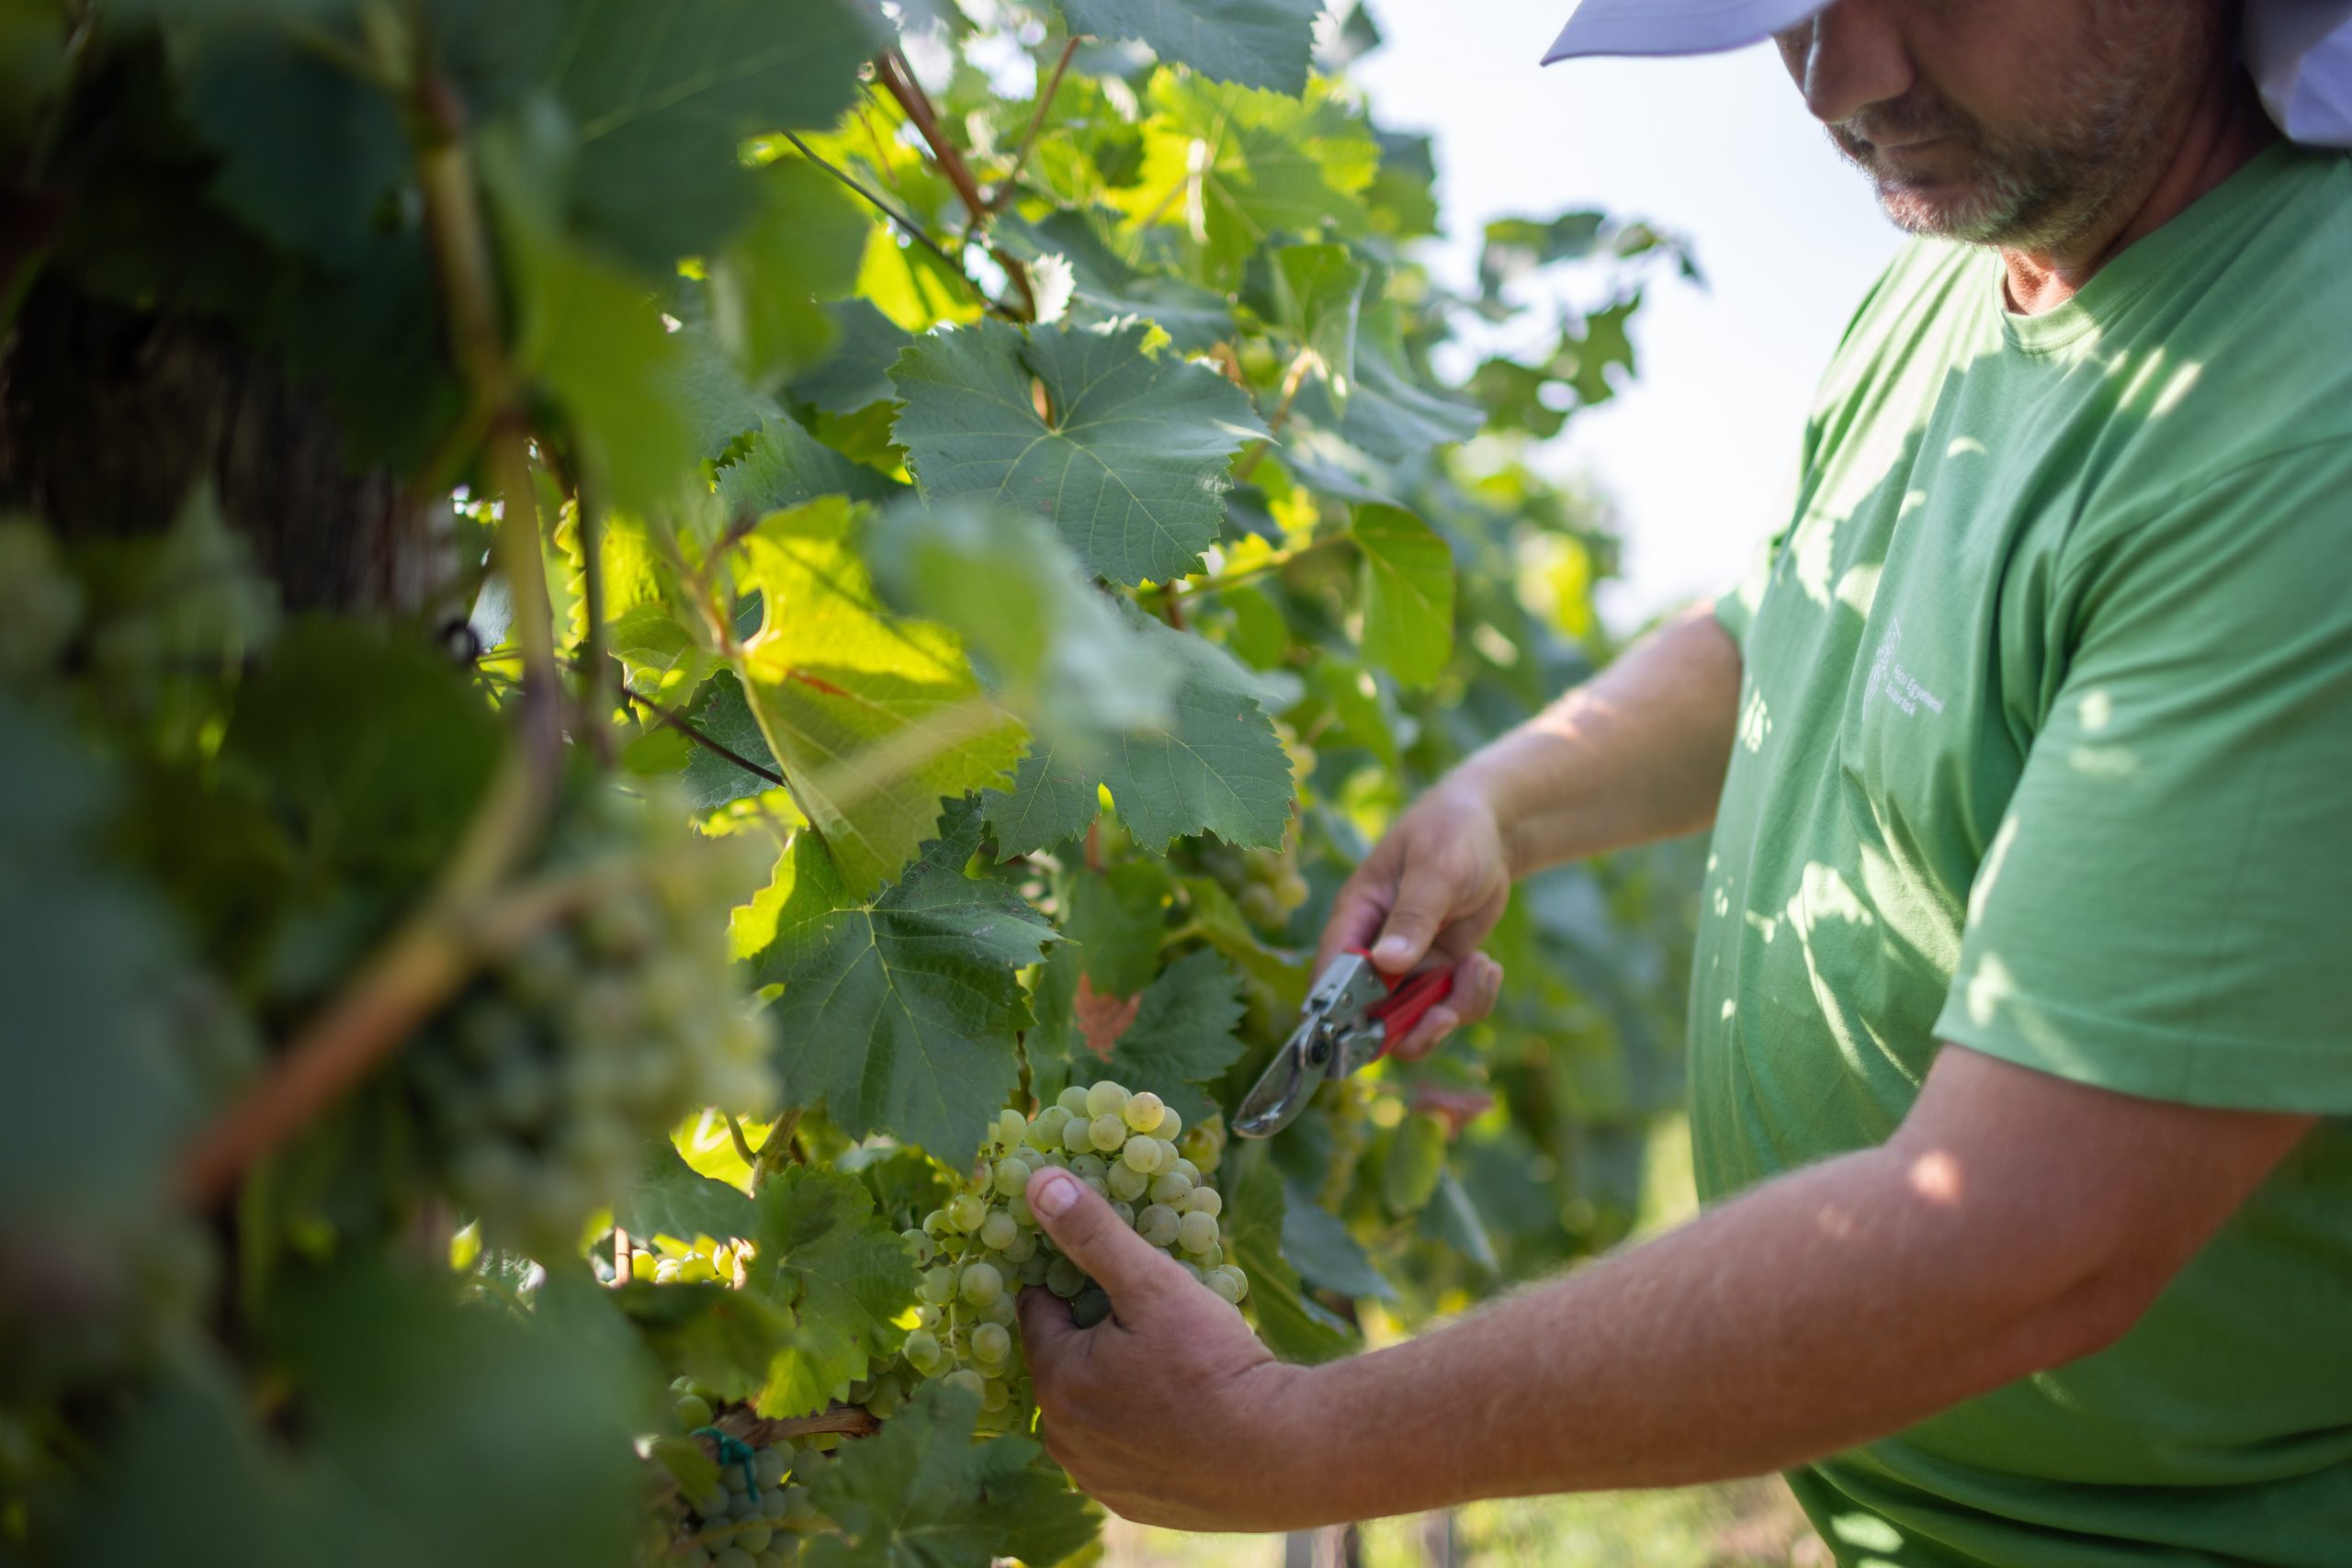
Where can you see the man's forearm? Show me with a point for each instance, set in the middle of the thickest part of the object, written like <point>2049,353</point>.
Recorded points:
<point>1635,754</point>
<point>1833,1305</point>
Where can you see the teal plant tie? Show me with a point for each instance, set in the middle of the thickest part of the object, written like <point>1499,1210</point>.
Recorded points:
<point>732,1450</point>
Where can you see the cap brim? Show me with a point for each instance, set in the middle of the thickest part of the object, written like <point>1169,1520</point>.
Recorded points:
<point>1674,27</point>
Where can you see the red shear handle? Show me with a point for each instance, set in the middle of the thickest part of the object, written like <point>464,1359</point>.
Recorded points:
<point>1409,997</point>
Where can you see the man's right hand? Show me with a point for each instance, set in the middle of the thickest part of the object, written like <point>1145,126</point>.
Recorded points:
<point>1433,889</point>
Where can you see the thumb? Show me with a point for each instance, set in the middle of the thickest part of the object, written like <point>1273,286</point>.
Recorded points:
<point>1092,1235</point>
<point>1423,903</point>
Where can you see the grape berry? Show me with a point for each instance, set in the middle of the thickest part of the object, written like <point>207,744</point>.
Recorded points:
<point>985,1243</point>
<point>756,1514</point>
<point>543,1080</point>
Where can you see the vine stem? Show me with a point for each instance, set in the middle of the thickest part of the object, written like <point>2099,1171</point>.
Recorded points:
<point>891,70</point>
<point>778,1148</point>
<point>1004,192</point>
<point>1274,562</point>
<point>742,1144</point>
<point>672,719</point>
<point>760,1432</point>
<point>465,923</point>
<point>469,295</point>
<point>912,230</point>
<point>1292,378</point>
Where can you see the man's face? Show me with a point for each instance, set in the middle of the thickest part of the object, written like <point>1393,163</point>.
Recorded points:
<point>2004,123</point>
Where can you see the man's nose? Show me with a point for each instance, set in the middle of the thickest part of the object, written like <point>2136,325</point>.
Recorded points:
<point>1848,56</point>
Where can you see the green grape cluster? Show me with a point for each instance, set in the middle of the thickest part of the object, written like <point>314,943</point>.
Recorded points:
<point>662,1261</point>
<point>541,1083</point>
<point>979,1250</point>
<point>758,1512</point>
<point>1265,884</point>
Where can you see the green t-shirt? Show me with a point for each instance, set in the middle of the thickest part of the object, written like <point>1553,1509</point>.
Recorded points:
<point>2045,748</point>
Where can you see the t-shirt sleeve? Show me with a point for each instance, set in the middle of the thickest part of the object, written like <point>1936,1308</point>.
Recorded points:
<point>2166,906</point>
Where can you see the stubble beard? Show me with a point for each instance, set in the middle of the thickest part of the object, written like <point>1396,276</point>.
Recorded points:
<point>2028,193</point>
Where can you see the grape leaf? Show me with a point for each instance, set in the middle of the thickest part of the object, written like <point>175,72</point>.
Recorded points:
<point>1220,769</point>
<point>1585,361</point>
<point>590,334</point>
<point>873,719</point>
<point>711,1332</point>
<point>920,1493</point>
<point>1115,923</point>
<point>1359,718</point>
<point>660,94</point>
<point>376,752</point>
<point>1450,1218</point>
<point>1105,287</point>
<point>1391,412</point>
<point>1407,594</point>
<point>93,979</point>
<point>1318,290</point>
<point>1054,651</point>
<point>1259,43</point>
<point>670,1197</point>
<point>702,385</point>
<point>1130,465</point>
<point>824,1253</point>
<point>897,1010</point>
<point>1518,247</point>
<point>856,374</point>
<point>712,780</point>
<point>906,1183</point>
<point>1293,1327</point>
<point>1317,1241</point>
<point>661,658</point>
<point>480,1435</point>
<point>1182,1035</point>
<point>1172,1036</point>
<point>1235,167</point>
<point>430,1434</point>
<point>785,467</point>
<point>310,153</point>
<point>802,243</point>
<point>1402,195</point>
<point>1277,978</point>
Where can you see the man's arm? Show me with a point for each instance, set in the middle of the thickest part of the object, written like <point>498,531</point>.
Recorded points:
<point>1635,754</point>
<point>2014,1222</point>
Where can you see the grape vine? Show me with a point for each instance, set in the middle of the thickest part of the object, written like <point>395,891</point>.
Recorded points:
<point>648,652</point>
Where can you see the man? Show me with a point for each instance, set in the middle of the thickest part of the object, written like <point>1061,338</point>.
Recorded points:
<point>2018,1020</point>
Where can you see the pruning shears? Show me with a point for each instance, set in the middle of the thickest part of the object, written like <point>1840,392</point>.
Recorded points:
<point>1351,1016</point>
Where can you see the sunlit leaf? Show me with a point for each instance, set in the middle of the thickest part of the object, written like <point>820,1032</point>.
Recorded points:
<point>899,1009</point>
<point>1127,458</point>
<point>1407,593</point>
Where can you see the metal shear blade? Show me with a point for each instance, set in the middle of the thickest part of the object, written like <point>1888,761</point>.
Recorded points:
<point>1330,1041</point>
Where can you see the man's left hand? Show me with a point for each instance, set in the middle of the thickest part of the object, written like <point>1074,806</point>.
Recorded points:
<point>1169,1411</point>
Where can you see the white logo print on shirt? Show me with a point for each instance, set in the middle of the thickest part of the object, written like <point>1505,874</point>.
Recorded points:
<point>1902,687</point>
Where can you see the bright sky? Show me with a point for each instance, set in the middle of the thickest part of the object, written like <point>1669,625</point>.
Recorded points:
<point>1699,454</point>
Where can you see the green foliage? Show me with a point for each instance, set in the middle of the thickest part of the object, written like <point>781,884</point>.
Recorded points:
<point>922,1494</point>
<point>1033,535</point>
<point>843,1273</point>
<point>1126,455</point>
<point>872,719</point>
<point>1219,767</point>
<point>1407,594</point>
<point>899,1010</point>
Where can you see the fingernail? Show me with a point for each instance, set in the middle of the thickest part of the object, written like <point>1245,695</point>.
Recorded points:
<point>1393,947</point>
<point>1053,1195</point>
